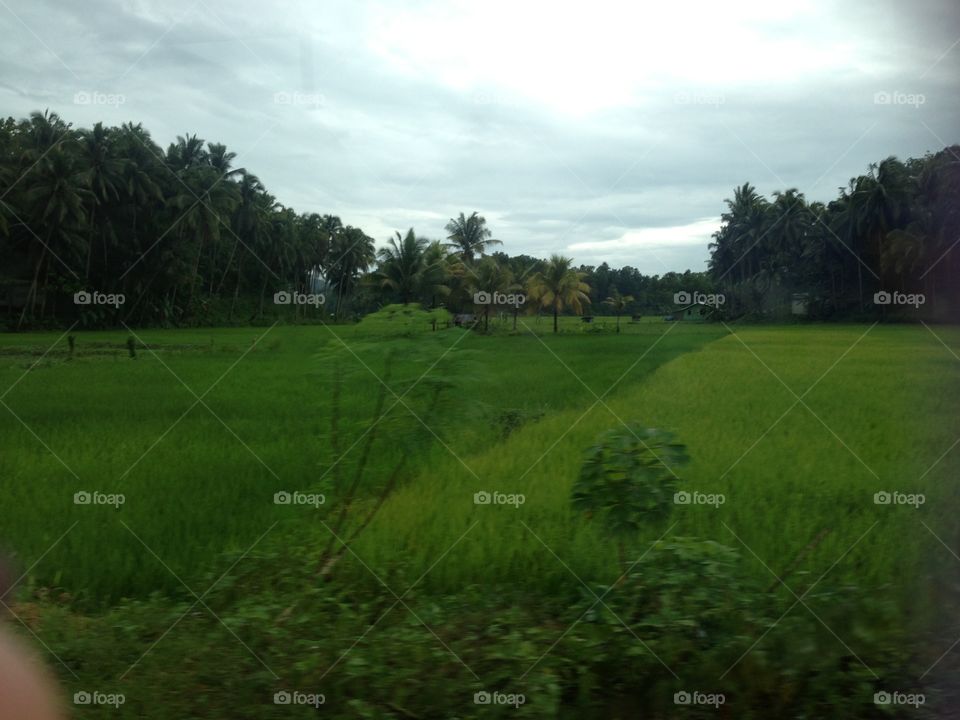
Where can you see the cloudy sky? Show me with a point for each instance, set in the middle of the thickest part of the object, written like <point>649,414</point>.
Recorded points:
<point>609,131</point>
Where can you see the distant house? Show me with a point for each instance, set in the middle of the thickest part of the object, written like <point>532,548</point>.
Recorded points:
<point>800,304</point>
<point>694,312</point>
<point>461,319</point>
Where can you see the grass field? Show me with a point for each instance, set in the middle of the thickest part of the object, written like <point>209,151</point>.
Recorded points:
<point>797,428</point>
<point>199,477</point>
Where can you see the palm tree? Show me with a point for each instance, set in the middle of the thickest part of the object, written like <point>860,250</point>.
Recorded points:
<point>747,222</point>
<point>249,221</point>
<point>186,152</point>
<point>618,303</point>
<point>845,240</point>
<point>436,273</point>
<point>202,204</point>
<point>315,243</point>
<point>905,251</point>
<point>41,132</point>
<point>222,161</point>
<point>402,266</point>
<point>104,176</point>
<point>880,203</point>
<point>490,278</point>
<point>351,253</point>
<point>144,183</point>
<point>469,236</point>
<point>56,196</point>
<point>559,287</point>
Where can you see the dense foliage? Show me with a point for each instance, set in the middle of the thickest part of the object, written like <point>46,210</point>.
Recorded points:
<point>181,234</point>
<point>894,229</point>
<point>182,237</point>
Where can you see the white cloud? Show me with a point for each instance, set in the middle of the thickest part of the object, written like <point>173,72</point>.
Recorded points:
<point>559,121</point>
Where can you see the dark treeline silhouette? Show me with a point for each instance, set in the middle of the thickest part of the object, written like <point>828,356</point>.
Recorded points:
<point>892,230</point>
<point>186,238</point>
<point>181,234</point>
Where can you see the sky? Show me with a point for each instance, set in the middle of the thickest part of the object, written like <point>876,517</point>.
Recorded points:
<point>606,131</point>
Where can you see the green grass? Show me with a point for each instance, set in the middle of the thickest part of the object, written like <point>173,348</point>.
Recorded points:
<point>498,586</point>
<point>878,419</point>
<point>199,482</point>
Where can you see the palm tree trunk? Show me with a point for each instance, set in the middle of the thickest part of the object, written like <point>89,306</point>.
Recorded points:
<point>263,290</point>
<point>860,283</point>
<point>31,299</point>
<point>93,212</point>
<point>43,295</point>
<point>226,268</point>
<point>196,273</point>
<point>236,289</point>
<point>555,312</point>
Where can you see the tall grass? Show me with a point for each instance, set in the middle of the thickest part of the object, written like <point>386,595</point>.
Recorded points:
<point>877,418</point>
<point>199,478</point>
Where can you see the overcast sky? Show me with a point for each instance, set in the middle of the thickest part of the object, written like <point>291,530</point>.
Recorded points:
<point>609,131</point>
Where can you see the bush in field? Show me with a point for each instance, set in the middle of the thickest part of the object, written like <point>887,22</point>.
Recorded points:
<point>411,319</point>
<point>687,616</point>
<point>684,609</point>
<point>628,478</point>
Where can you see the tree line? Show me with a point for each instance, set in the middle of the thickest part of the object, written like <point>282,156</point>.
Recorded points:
<point>180,234</point>
<point>183,237</point>
<point>892,230</point>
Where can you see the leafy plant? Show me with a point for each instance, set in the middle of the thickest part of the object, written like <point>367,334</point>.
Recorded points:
<point>628,478</point>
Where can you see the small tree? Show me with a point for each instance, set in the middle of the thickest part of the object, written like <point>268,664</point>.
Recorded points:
<point>618,303</point>
<point>559,286</point>
<point>628,478</point>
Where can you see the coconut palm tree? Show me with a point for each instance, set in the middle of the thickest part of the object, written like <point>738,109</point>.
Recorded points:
<point>436,274</point>
<point>401,266</point>
<point>558,287</point>
<point>490,278</point>
<point>222,161</point>
<point>186,152</point>
<point>56,196</point>
<point>618,304</point>
<point>203,205</point>
<point>104,176</point>
<point>881,204</point>
<point>351,253</point>
<point>469,236</point>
